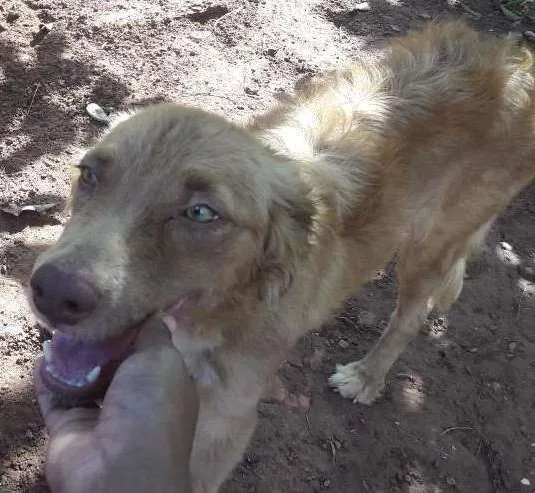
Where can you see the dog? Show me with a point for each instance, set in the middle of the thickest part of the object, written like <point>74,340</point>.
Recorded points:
<point>251,236</point>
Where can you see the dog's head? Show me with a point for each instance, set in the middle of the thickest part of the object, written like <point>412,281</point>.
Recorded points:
<point>175,209</point>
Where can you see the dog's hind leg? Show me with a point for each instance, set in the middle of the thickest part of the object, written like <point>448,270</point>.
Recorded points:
<point>428,277</point>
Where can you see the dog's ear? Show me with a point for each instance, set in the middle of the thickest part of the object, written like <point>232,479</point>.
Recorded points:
<point>287,239</point>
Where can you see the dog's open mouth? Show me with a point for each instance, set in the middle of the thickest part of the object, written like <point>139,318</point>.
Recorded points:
<point>83,368</point>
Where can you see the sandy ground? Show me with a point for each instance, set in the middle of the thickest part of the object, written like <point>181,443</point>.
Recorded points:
<point>459,410</point>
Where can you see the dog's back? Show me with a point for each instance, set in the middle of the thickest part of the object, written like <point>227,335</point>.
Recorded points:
<point>416,152</point>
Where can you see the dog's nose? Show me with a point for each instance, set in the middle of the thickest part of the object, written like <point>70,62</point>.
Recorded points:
<point>63,297</point>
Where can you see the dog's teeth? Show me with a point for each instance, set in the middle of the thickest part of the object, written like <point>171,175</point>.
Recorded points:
<point>76,381</point>
<point>92,376</point>
<point>47,351</point>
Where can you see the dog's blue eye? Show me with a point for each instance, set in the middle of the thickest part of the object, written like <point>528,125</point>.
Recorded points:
<point>201,213</point>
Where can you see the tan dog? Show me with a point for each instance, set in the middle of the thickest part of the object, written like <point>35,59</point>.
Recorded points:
<point>250,237</point>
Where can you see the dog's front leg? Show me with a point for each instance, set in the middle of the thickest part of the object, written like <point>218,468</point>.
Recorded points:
<point>423,285</point>
<point>363,381</point>
<point>218,446</point>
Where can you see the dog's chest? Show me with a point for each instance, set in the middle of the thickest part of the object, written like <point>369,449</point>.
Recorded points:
<point>198,356</point>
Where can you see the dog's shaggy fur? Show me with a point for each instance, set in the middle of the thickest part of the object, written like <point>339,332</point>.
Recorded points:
<point>414,154</point>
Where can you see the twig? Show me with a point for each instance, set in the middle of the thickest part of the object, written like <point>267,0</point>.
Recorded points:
<point>333,448</point>
<point>333,452</point>
<point>459,428</point>
<point>366,486</point>
<point>33,98</point>
<point>467,9</point>
<point>408,376</point>
<point>482,438</point>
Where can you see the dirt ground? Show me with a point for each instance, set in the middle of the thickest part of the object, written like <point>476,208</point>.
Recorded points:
<point>459,409</point>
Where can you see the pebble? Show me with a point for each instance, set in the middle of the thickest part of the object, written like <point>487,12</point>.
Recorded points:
<point>525,481</point>
<point>506,246</point>
<point>362,7</point>
<point>343,343</point>
<point>97,113</point>
<point>530,36</point>
<point>451,481</point>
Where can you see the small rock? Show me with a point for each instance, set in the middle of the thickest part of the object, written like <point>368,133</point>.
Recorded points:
<point>29,434</point>
<point>343,343</point>
<point>525,481</point>
<point>12,16</point>
<point>97,113</point>
<point>2,28</point>
<point>362,7</point>
<point>506,246</point>
<point>530,36</point>
<point>326,483</point>
<point>451,481</point>
<point>271,52</point>
<point>252,92</point>
<point>3,269</point>
<point>425,15</point>
<point>512,346</point>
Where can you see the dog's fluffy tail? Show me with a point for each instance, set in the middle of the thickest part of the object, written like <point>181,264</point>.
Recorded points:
<point>452,60</point>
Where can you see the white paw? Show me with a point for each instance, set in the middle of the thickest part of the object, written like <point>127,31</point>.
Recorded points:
<point>353,382</point>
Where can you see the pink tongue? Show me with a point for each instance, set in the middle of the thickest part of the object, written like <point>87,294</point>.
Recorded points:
<point>73,358</point>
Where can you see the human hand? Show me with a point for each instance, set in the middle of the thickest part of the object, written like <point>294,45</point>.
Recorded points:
<point>140,439</point>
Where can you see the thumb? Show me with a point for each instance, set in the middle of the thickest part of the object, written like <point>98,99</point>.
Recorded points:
<point>156,331</point>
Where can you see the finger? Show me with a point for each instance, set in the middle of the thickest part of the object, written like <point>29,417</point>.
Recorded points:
<point>45,398</point>
<point>54,414</point>
<point>155,332</point>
